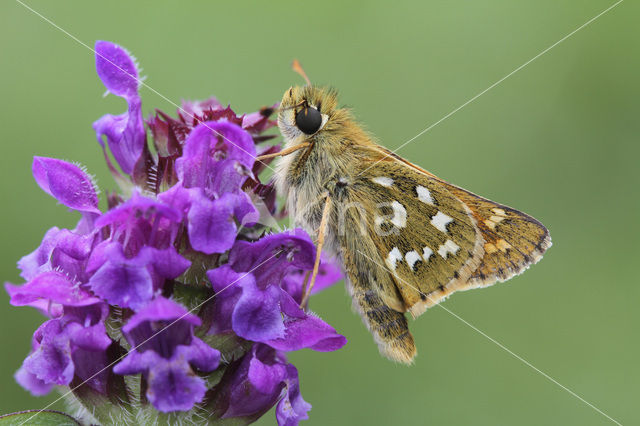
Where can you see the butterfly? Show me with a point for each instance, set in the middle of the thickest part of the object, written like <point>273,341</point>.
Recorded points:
<point>405,238</point>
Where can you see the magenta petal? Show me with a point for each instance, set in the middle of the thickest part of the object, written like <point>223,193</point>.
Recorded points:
<point>273,256</point>
<point>53,286</point>
<point>46,308</point>
<point>244,210</point>
<point>257,314</point>
<point>228,287</point>
<point>164,350</point>
<point>266,378</point>
<point>217,157</point>
<point>67,183</point>
<point>30,382</point>
<point>122,283</point>
<point>166,263</point>
<point>125,133</point>
<point>200,355</point>
<point>174,387</point>
<point>116,68</point>
<point>51,361</point>
<point>304,330</point>
<point>138,206</point>
<point>92,338</point>
<point>257,383</point>
<point>161,309</point>
<point>31,264</point>
<point>292,408</point>
<point>211,226</point>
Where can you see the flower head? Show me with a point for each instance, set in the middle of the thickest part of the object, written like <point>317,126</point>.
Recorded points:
<point>177,286</point>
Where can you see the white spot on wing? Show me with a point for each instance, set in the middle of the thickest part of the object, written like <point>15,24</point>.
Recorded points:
<point>496,219</point>
<point>424,195</point>
<point>399,215</point>
<point>412,257</point>
<point>448,247</point>
<point>384,181</point>
<point>426,253</point>
<point>393,257</point>
<point>440,221</point>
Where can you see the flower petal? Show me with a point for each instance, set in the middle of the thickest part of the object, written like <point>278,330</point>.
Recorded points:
<point>329,274</point>
<point>125,133</point>
<point>116,68</point>
<point>292,408</point>
<point>273,256</point>
<point>51,361</point>
<point>217,157</point>
<point>53,286</point>
<point>123,283</point>
<point>227,284</point>
<point>161,309</point>
<point>67,183</point>
<point>304,330</point>
<point>257,383</point>
<point>211,226</point>
<point>174,387</point>
<point>30,382</point>
<point>257,314</point>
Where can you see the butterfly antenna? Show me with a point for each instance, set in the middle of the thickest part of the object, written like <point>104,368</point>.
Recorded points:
<point>298,68</point>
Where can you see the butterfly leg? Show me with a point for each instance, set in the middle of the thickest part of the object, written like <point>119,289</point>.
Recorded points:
<point>321,235</point>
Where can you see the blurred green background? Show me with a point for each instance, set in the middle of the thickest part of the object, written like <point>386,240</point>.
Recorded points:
<point>558,139</point>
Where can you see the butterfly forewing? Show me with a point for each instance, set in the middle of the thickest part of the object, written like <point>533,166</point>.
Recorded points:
<point>425,236</point>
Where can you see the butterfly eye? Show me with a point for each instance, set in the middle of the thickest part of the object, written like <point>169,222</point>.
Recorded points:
<point>309,120</point>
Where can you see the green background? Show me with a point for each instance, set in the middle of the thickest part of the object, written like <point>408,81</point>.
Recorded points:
<point>558,139</point>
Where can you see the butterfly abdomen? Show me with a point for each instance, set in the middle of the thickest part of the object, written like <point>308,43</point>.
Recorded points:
<point>388,326</point>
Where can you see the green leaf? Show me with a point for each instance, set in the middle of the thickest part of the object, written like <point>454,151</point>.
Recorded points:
<point>37,417</point>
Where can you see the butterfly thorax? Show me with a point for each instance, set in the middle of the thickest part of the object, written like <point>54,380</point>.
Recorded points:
<point>305,176</point>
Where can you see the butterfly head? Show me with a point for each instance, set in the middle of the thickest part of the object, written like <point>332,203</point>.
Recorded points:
<point>305,111</point>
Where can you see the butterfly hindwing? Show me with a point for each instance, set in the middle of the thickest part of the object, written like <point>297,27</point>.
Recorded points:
<point>513,239</point>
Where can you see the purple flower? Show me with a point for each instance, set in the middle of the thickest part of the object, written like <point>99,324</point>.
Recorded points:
<point>249,288</point>
<point>137,258</point>
<point>292,408</point>
<point>73,342</point>
<point>216,161</point>
<point>125,132</point>
<point>263,378</point>
<point>217,158</point>
<point>166,352</point>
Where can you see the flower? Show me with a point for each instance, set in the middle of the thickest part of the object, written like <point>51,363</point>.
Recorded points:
<point>263,378</point>
<point>125,133</point>
<point>176,298</point>
<point>260,309</point>
<point>73,342</point>
<point>165,351</point>
<point>139,255</point>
